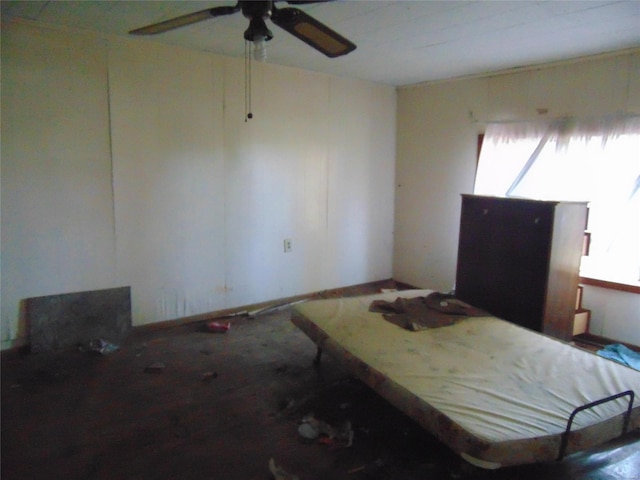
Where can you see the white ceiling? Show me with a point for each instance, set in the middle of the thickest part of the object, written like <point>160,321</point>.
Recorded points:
<point>399,42</point>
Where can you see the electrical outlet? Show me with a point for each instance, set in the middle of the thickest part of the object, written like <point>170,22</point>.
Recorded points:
<point>287,245</point>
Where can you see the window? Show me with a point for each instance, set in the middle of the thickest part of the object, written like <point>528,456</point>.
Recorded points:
<point>597,161</point>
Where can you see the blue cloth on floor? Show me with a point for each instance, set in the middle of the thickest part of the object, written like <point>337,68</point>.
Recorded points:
<point>621,354</point>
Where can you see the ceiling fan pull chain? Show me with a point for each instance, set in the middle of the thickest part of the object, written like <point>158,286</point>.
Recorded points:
<point>250,114</point>
<point>247,81</point>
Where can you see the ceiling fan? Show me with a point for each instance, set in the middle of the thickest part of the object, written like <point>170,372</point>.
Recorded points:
<point>293,20</point>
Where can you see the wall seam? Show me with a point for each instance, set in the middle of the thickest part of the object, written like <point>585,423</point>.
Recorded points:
<point>111,162</point>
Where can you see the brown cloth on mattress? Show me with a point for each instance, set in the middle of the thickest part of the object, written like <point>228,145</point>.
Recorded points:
<point>419,313</point>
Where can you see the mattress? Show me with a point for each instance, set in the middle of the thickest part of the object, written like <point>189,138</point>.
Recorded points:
<point>494,392</point>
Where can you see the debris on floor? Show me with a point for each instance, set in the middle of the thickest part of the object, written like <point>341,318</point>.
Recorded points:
<point>101,346</point>
<point>157,367</point>
<point>313,429</point>
<point>62,412</point>
<point>279,473</point>
<point>368,468</point>
<point>221,323</point>
<point>217,327</point>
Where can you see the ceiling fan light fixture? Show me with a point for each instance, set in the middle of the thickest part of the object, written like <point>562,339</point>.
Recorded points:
<point>260,50</point>
<point>257,30</point>
<point>258,34</point>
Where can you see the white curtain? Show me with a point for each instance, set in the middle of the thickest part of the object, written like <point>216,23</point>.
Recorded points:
<point>594,160</point>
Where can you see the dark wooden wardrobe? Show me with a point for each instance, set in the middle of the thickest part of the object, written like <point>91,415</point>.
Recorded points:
<point>519,259</point>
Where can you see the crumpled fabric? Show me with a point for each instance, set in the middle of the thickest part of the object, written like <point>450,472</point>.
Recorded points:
<point>419,313</point>
<point>621,354</point>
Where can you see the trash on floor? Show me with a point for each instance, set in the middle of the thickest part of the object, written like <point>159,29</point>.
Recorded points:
<point>102,346</point>
<point>311,428</point>
<point>279,473</point>
<point>217,327</point>
<point>220,323</point>
<point>308,431</point>
<point>157,367</point>
<point>368,468</point>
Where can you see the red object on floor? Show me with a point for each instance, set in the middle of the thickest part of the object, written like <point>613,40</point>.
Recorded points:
<point>218,327</point>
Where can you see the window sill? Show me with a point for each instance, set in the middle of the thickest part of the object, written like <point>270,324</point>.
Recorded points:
<point>598,282</point>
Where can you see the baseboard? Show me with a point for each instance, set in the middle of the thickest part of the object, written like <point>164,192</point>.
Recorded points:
<point>406,286</point>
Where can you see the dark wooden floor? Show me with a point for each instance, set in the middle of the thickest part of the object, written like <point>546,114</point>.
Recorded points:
<point>221,408</point>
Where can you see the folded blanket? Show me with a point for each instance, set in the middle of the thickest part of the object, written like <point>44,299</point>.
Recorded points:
<point>621,354</point>
<point>419,313</point>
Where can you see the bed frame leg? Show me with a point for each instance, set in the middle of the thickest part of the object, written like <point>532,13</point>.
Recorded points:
<point>316,361</point>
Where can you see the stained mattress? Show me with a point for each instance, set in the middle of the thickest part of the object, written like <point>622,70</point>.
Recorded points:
<point>495,393</point>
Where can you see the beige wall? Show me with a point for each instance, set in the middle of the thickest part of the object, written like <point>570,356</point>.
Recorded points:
<point>57,214</point>
<point>129,163</point>
<point>438,126</point>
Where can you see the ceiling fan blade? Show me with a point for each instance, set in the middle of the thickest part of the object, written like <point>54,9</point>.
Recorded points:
<point>185,20</point>
<point>312,32</point>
